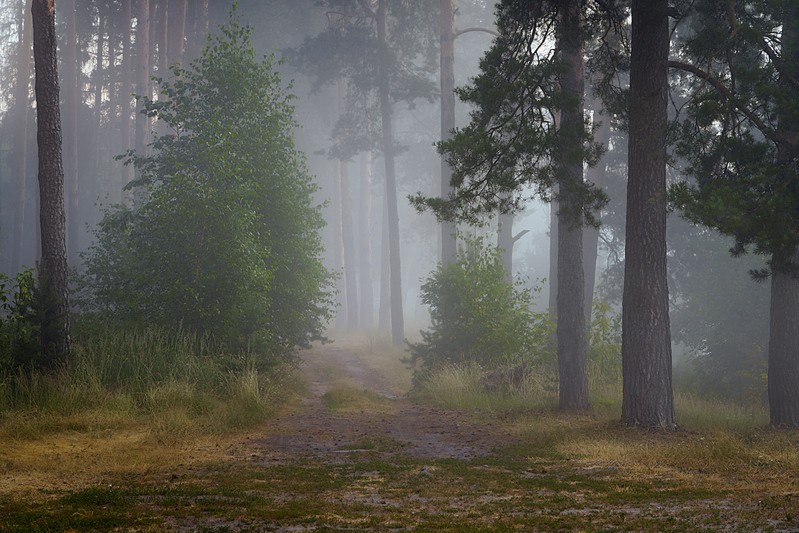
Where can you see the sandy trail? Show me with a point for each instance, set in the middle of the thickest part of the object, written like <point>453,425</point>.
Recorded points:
<point>402,428</point>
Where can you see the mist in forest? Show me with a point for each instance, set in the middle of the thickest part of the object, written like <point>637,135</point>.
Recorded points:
<point>101,47</point>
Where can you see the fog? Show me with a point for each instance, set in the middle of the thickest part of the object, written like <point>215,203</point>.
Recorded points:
<point>352,186</point>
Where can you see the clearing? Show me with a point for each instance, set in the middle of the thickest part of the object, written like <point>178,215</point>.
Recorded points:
<point>356,454</point>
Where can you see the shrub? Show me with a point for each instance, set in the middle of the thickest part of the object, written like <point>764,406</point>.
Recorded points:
<point>224,239</point>
<point>20,323</point>
<point>477,316</point>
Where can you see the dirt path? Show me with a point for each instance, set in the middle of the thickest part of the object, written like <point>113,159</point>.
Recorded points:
<point>397,427</point>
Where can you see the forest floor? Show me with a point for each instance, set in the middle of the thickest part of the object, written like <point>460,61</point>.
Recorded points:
<point>354,453</point>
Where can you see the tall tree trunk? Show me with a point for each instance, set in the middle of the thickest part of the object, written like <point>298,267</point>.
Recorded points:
<point>338,252</point>
<point>55,322</point>
<point>397,319</point>
<point>177,19</point>
<point>21,97</point>
<point>646,338</point>
<point>142,83</point>
<point>98,109</point>
<point>365,238</point>
<point>783,351</point>
<point>163,37</point>
<point>505,243</point>
<point>553,254</point>
<point>125,92</point>
<point>348,240</point>
<point>72,102</point>
<point>598,176</point>
<point>573,383</point>
<point>447,35</point>
<point>384,311</point>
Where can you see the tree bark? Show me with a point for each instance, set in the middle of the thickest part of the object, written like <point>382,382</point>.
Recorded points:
<point>125,92</point>
<point>573,383</point>
<point>384,312</point>
<point>178,30</point>
<point>783,352</point>
<point>365,238</point>
<point>447,60</point>
<point>646,339</point>
<point>397,319</point>
<point>21,97</point>
<point>53,269</point>
<point>142,82</point>
<point>72,104</point>
<point>348,240</point>
<point>163,37</point>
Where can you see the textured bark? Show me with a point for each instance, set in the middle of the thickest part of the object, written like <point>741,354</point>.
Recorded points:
<point>20,169</point>
<point>397,319</point>
<point>447,52</point>
<point>646,339</point>
<point>783,360</point>
<point>53,268</point>
<point>573,383</point>
<point>142,82</point>
<point>365,238</point>
<point>71,105</point>
<point>783,352</point>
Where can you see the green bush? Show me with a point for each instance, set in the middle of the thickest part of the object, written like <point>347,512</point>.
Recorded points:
<point>20,319</point>
<point>477,316</point>
<point>224,239</point>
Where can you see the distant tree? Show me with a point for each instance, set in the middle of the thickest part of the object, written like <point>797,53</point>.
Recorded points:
<point>740,135</point>
<point>226,241</point>
<point>528,130</point>
<point>53,268</point>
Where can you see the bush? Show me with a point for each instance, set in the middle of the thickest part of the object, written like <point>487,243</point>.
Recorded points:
<point>224,240</point>
<point>478,317</point>
<point>20,323</point>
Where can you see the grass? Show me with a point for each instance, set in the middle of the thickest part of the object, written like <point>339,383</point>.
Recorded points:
<point>551,472</point>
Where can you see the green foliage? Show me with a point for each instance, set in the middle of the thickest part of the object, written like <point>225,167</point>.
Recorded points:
<point>226,241</point>
<point>20,323</point>
<point>477,316</point>
<point>738,128</point>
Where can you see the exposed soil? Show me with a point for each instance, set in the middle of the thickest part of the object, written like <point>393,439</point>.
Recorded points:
<point>403,428</point>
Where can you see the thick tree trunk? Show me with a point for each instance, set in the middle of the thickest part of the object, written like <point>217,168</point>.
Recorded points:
<point>783,352</point>
<point>573,384</point>
<point>53,269</point>
<point>783,360</point>
<point>72,104</point>
<point>21,97</point>
<point>365,238</point>
<point>397,319</point>
<point>142,83</point>
<point>447,34</point>
<point>646,339</point>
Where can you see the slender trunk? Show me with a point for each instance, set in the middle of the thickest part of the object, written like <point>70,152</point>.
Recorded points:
<point>553,254</point>
<point>365,238</point>
<point>384,312</point>
<point>20,172</point>
<point>397,319</point>
<point>142,83</point>
<point>348,240</point>
<point>573,383</point>
<point>598,176</point>
<point>98,111</point>
<point>447,33</point>
<point>177,30</point>
<point>646,339</point>
<point>783,352</point>
<point>338,252</point>
<point>505,243</point>
<point>125,92</point>
<point>71,103</point>
<point>163,37</point>
<point>53,268</point>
